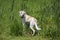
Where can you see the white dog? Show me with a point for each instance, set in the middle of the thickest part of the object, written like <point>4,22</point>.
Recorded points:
<point>31,20</point>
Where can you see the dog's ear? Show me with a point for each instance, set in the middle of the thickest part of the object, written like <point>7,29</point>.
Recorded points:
<point>19,11</point>
<point>24,12</point>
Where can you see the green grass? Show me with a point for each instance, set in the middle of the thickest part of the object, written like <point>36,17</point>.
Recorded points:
<point>47,12</point>
<point>26,38</point>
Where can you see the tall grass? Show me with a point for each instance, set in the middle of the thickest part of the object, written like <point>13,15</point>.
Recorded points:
<point>47,12</point>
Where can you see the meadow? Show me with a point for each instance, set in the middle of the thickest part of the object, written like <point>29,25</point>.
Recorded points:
<point>47,12</point>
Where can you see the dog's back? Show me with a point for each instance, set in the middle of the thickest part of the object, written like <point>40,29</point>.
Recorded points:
<point>29,18</point>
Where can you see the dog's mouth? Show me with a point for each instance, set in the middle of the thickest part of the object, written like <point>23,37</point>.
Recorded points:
<point>22,16</point>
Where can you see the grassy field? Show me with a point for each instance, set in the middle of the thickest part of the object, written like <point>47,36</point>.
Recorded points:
<point>47,12</point>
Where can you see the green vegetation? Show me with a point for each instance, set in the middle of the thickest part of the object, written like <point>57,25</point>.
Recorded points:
<point>47,12</point>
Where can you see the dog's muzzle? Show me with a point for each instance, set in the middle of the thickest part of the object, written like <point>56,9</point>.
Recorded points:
<point>22,16</point>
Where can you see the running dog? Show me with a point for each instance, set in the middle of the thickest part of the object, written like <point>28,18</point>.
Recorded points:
<point>31,20</point>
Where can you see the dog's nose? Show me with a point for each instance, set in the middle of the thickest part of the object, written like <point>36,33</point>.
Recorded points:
<point>22,16</point>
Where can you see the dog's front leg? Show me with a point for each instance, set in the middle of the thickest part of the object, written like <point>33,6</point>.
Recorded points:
<point>23,22</point>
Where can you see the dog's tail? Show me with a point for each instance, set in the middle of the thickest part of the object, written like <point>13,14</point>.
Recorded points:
<point>37,28</point>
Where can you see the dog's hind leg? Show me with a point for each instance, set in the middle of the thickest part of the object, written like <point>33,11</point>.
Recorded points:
<point>31,27</point>
<point>37,28</point>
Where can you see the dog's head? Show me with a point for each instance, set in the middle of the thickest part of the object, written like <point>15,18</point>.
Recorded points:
<point>22,13</point>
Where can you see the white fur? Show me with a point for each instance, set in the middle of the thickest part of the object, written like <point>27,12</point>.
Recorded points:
<point>31,20</point>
